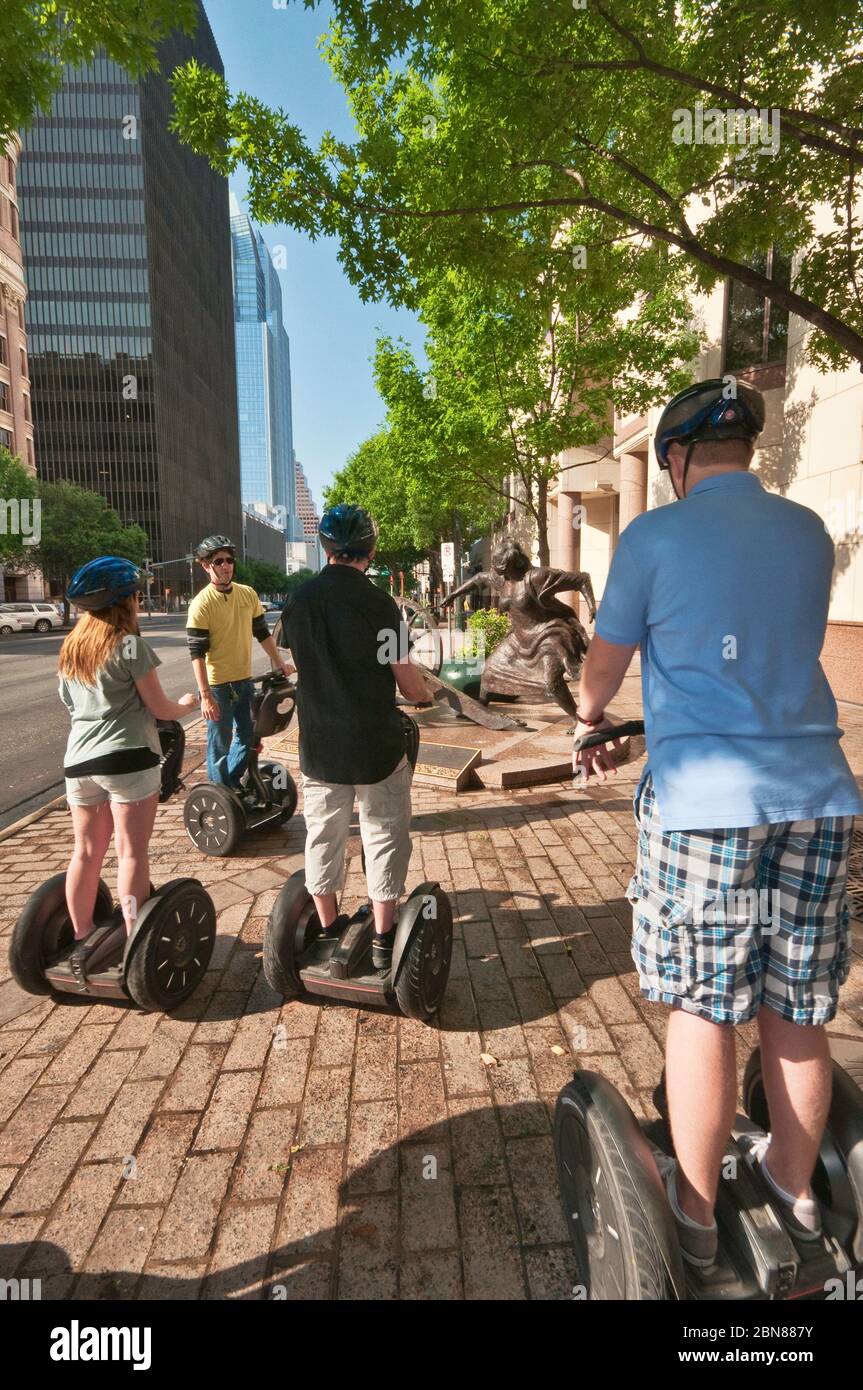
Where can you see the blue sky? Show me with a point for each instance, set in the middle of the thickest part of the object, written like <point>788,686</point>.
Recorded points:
<point>272,53</point>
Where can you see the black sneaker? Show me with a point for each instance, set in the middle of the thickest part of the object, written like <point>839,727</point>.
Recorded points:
<point>334,930</point>
<point>382,949</point>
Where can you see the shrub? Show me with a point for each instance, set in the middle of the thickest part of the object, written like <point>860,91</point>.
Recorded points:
<point>488,625</point>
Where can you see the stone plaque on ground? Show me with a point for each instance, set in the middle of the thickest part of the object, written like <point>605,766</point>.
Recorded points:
<point>445,765</point>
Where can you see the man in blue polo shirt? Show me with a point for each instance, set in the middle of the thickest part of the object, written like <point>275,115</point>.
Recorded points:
<point>746,803</point>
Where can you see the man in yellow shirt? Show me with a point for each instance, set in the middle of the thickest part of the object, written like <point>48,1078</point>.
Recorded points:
<point>221,622</point>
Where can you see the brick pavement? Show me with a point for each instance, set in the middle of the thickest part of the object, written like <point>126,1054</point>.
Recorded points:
<point>246,1148</point>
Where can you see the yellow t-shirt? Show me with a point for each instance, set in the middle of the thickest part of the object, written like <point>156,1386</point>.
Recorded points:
<point>228,619</point>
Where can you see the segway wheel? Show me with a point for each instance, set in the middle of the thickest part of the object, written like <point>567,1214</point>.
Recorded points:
<point>292,925</point>
<point>170,955</point>
<point>284,790</point>
<point>424,968</point>
<point>44,930</point>
<point>213,819</point>
<point>618,1251</point>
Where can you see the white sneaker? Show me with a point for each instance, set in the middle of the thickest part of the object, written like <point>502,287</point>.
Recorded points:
<point>802,1215</point>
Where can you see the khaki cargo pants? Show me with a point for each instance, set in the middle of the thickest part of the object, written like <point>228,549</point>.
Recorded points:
<point>385,824</point>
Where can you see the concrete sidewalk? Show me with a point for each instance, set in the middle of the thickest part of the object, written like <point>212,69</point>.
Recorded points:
<point>247,1148</point>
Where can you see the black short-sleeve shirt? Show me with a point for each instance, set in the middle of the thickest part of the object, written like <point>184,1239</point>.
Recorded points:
<point>343,631</point>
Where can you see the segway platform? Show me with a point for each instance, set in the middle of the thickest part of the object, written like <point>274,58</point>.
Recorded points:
<point>296,960</point>
<point>623,1233</point>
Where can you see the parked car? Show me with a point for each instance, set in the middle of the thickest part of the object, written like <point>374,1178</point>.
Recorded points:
<point>41,616</point>
<point>9,622</point>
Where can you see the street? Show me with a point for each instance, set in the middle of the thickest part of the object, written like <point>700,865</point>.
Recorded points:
<point>34,724</point>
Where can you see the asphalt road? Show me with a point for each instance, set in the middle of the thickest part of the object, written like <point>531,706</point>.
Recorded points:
<point>34,724</point>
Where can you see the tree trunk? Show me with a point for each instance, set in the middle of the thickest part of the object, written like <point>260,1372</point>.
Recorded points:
<point>542,519</point>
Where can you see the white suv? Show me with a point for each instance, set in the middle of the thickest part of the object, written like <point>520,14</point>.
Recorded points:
<point>41,616</point>
<point>9,622</point>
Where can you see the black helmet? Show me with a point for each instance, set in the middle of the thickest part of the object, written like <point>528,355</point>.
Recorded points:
<point>347,532</point>
<point>720,408</point>
<point>210,544</point>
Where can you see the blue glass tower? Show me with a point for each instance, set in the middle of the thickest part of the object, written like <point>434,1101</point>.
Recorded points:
<point>263,375</point>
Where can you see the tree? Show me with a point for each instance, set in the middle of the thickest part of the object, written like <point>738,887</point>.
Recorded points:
<point>78,526</point>
<point>19,519</point>
<point>513,382</point>
<point>496,113</point>
<point>38,37</point>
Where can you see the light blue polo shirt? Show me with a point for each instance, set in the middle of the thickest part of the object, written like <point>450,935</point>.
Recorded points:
<point>727,592</point>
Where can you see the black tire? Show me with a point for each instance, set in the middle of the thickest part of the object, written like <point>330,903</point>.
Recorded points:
<point>838,1178</point>
<point>291,926</point>
<point>616,1249</point>
<point>288,791</point>
<point>6,630</point>
<point>44,929</point>
<point>43,625</point>
<point>172,949</point>
<point>424,968</point>
<point>214,820</point>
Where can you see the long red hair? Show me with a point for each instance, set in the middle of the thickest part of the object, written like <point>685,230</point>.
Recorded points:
<point>94,639</point>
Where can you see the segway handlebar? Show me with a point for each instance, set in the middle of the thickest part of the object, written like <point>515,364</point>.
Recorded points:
<point>624,730</point>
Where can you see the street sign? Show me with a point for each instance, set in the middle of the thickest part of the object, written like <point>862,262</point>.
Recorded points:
<point>447,561</point>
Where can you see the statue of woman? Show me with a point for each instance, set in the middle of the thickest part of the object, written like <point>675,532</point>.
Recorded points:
<point>546,641</point>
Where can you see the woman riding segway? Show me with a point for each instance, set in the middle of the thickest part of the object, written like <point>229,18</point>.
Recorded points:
<point>109,685</point>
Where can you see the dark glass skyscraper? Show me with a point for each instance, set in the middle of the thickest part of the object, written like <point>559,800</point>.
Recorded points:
<point>127,254</point>
<point>263,374</point>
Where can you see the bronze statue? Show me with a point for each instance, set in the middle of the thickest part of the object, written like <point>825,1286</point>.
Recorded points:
<point>546,640</point>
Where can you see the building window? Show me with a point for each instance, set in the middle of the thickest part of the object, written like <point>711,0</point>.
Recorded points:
<point>13,213</point>
<point>27,413</point>
<point>6,439</point>
<point>756,329</point>
<point>4,352</point>
<point>21,314</point>
<point>4,396</point>
<point>24,371</point>
<point>30,458</point>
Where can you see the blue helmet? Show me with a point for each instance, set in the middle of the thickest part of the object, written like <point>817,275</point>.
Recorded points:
<point>347,531</point>
<point>102,582</point>
<point>720,408</point>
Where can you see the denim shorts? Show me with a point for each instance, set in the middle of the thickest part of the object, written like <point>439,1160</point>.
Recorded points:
<point>728,920</point>
<point>112,786</point>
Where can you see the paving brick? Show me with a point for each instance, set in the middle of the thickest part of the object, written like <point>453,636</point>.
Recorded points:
<point>310,1212</point>
<point>16,1081</point>
<point>422,1103</point>
<point>375,1069</point>
<point>113,1267</point>
<point>428,1217</point>
<point>515,1092</point>
<point>336,1036</point>
<point>31,1122</point>
<point>372,1152</point>
<point>465,1074</point>
<point>551,1274</point>
<point>489,980</point>
<point>119,1132</point>
<point>477,1146</point>
<point>173,1283</point>
<point>71,1230</point>
<point>163,1053</point>
<point>263,1167</point>
<point>251,1043</point>
<point>580,1021</point>
<point>285,1073</point>
<point>300,1018</point>
<point>49,1169</point>
<point>194,1078</point>
<point>325,1106</point>
<point>239,1263</point>
<point>227,1115</point>
<point>190,1218</point>
<point>16,1237</point>
<point>435,1275</point>
<point>368,1253</point>
<point>490,1253</point>
<point>100,1086</point>
<point>639,1052</point>
<point>58,1027</point>
<point>535,1189</point>
<point>135,1030</point>
<point>158,1161</point>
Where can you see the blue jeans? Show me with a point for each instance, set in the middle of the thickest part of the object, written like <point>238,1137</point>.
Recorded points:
<point>229,738</point>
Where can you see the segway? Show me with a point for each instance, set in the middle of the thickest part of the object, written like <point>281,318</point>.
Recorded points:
<point>216,816</point>
<point>157,966</point>
<point>623,1232</point>
<point>296,960</point>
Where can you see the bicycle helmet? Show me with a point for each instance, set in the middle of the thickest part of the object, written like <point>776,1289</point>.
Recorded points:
<point>707,411</point>
<point>347,532</point>
<point>210,544</point>
<point>102,582</point>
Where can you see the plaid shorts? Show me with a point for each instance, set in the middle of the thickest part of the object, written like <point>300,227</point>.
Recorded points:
<point>728,920</point>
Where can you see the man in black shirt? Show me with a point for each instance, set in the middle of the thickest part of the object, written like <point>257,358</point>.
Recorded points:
<point>350,646</point>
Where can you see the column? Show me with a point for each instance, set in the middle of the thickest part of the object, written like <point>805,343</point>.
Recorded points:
<point>633,488</point>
